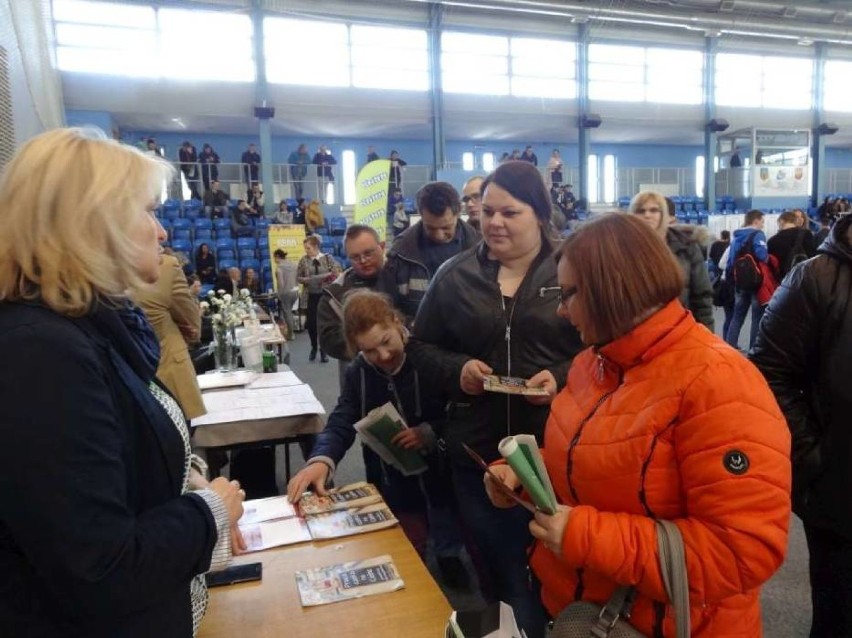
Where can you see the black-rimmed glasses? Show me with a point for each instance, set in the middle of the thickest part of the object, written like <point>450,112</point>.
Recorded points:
<point>564,294</point>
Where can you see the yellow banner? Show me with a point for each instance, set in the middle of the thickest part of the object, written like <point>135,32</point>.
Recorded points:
<point>371,196</point>
<point>289,238</point>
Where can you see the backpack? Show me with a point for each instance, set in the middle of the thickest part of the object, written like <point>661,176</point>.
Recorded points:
<point>747,274</point>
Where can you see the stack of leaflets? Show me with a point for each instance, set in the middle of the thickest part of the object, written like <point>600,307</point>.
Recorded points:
<point>323,585</point>
<point>378,428</point>
<point>522,454</point>
<point>271,522</point>
<point>352,495</point>
<point>356,520</point>
<point>352,509</point>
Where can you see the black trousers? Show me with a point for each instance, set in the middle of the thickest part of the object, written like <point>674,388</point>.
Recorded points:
<point>313,306</point>
<point>830,569</point>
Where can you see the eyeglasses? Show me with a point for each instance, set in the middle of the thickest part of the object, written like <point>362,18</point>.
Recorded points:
<point>367,255</point>
<point>565,294</point>
<point>476,197</point>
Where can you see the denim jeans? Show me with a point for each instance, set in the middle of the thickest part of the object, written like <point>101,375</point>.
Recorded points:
<point>502,536</point>
<point>744,300</point>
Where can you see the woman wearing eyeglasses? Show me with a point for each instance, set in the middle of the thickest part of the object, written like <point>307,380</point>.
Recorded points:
<point>697,292</point>
<point>491,310</point>
<point>659,419</point>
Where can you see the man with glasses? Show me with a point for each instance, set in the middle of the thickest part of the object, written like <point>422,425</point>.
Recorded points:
<point>472,200</point>
<point>367,255</point>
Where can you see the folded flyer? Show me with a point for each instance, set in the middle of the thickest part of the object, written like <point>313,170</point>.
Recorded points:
<point>510,385</point>
<point>522,454</point>
<point>355,579</point>
<point>267,534</point>
<point>352,495</point>
<point>266,509</point>
<point>378,429</point>
<point>351,521</point>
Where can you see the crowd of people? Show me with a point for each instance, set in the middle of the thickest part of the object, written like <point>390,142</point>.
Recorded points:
<point>641,411</point>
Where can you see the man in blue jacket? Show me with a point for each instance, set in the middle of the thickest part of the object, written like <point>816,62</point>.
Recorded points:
<point>752,234</point>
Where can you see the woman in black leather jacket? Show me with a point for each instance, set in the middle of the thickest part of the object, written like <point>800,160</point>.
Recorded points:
<point>804,350</point>
<point>492,309</point>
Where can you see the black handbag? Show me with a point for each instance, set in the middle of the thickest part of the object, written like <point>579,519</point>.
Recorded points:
<point>587,620</point>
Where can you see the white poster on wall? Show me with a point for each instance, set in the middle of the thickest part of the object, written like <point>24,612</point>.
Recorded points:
<point>781,181</point>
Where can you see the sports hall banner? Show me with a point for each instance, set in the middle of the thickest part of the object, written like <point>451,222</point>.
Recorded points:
<point>781,181</point>
<point>371,196</point>
<point>289,238</point>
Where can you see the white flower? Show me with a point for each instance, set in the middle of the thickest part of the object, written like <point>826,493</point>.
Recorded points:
<point>245,293</point>
<point>217,317</point>
<point>211,292</point>
<point>204,305</point>
<point>227,298</point>
<point>221,291</point>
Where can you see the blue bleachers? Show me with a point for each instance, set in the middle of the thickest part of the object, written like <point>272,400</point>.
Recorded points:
<point>181,233</point>
<point>224,243</point>
<point>226,253</point>
<point>247,242</point>
<point>328,246</point>
<point>181,224</point>
<point>246,253</point>
<point>181,245</point>
<point>249,263</point>
<point>203,223</point>
<point>227,263</point>
<point>336,225</point>
<point>222,224</point>
<point>205,234</point>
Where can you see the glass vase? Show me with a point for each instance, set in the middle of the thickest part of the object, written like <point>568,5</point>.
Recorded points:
<point>224,350</point>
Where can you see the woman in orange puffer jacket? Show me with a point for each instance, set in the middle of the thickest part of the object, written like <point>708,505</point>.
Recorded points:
<point>659,419</point>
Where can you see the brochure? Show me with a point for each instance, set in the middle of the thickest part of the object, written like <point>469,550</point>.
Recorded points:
<point>377,430</point>
<point>324,585</point>
<point>266,509</point>
<point>357,520</point>
<point>500,484</point>
<point>521,452</point>
<point>510,385</point>
<point>284,531</point>
<point>352,495</point>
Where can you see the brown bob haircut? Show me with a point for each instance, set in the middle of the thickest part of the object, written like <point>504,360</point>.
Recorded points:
<point>363,309</point>
<point>622,270</point>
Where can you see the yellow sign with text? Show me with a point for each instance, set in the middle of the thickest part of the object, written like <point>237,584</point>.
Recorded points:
<point>371,196</point>
<point>289,238</point>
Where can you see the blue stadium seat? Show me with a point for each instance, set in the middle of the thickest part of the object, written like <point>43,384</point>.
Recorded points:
<point>410,206</point>
<point>205,234</point>
<point>182,245</point>
<point>166,223</point>
<point>265,265</point>
<point>264,253</point>
<point>181,233</point>
<point>328,246</point>
<point>246,253</point>
<point>224,243</point>
<point>222,224</point>
<point>623,202</point>
<point>226,253</point>
<point>249,263</point>
<point>247,242</point>
<point>262,224</point>
<point>336,225</point>
<point>338,245</point>
<point>227,263</point>
<point>181,224</point>
<point>263,241</point>
<point>203,223</point>
<point>171,210</point>
<point>206,288</point>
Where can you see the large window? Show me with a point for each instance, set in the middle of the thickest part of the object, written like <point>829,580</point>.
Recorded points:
<point>609,178</point>
<point>699,175</point>
<point>639,74</point>
<point>141,41</point>
<point>763,81</point>
<point>389,58</point>
<point>543,68</point>
<point>592,179</point>
<point>349,177</point>
<point>306,52</point>
<point>837,95</point>
<point>473,63</point>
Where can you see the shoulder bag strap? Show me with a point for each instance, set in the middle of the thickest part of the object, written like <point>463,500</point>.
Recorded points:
<point>673,568</point>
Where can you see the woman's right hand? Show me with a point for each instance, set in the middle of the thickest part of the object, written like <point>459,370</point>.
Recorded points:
<point>506,475</point>
<point>470,380</point>
<point>232,496</point>
<point>314,475</point>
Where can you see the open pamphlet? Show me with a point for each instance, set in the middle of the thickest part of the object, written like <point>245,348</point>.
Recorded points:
<point>378,428</point>
<point>510,385</point>
<point>353,509</point>
<point>356,520</point>
<point>341,498</point>
<point>268,534</point>
<point>500,485</point>
<point>323,585</point>
<point>495,621</point>
<point>522,454</point>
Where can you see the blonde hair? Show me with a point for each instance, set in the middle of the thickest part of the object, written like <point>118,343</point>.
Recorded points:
<point>69,200</point>
<point>641,198</point>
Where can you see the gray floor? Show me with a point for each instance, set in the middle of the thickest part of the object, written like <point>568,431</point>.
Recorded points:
<point>785,598</point>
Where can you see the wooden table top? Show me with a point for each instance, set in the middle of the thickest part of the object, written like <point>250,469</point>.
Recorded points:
<point>270,608</point>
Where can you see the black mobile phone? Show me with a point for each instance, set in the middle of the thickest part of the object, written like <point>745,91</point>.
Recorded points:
<point>235,574</point>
